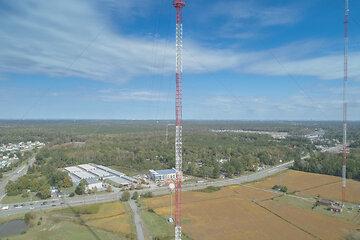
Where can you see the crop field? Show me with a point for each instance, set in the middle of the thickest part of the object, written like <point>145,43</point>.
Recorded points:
<point>334,191</point>
<point>312,184</point>
<point>296,180</point>
<point>237,212</point>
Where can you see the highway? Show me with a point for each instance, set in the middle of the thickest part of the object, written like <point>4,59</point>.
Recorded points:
<point>20,171</point>
<point>89,199</point>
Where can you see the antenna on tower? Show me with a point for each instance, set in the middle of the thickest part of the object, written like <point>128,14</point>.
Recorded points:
<point>178,4</point>
<point>346,43</point>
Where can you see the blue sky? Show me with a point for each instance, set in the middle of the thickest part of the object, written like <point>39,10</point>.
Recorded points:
<point>111,59</point>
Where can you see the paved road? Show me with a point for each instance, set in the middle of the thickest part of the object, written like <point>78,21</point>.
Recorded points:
<point>89,199</point>
<point>137,220</point>
<point>20,171</point>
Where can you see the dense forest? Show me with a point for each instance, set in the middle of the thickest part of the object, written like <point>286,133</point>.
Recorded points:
<point>331,164</point>
<point>136,146</point>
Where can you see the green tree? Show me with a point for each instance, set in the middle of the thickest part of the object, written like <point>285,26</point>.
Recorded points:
<point>125,196</point>
<point>35,185</point>
<point>135,195</point>
<point>216,172</point>
<point>44,192</point>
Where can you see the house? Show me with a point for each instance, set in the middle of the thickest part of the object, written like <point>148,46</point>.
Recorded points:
<point>336,209</point>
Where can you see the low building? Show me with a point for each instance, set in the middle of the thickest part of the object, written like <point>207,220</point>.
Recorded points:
<point>94,183</point>
<point>109,170</point>
<point>325,202</point>
<point>117,181</point>
<point>166,175</point>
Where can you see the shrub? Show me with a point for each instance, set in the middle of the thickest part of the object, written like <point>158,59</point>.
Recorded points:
<point>147,195</point>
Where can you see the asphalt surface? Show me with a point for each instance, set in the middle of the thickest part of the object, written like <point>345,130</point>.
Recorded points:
<point>137,220</point>
<point>20,171</point>
<point>108,197</point>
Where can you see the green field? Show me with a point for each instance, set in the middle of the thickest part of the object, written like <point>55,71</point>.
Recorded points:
<point>17,199</point>
<point>95,221</point>
<point>157,226</point>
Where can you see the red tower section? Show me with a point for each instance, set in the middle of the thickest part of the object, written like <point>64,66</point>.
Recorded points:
<point>178,4</point>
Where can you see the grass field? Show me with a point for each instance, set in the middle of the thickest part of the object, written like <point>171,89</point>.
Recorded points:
<point>96,221</point>
<point>315,224</point>
<point>17,199</point>
<point>312,184</point>
<point>238,212</point>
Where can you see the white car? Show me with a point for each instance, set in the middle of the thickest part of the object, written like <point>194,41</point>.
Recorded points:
<point>5,208</point>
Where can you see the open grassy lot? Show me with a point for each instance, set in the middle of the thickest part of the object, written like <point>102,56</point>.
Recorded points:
<point>318,225</point>
<point>312,184</point>
<point>96,221</point>
<point>238,212</point>
<point>18,199</point>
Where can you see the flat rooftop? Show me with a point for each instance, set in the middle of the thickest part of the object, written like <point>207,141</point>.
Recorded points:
<point>84,175</point>
<point>166,171</point>
<point>87,167</point>
<point>99,173</point>
<point>73,169</point>
<point>118,180</point>
<point>109,170</point>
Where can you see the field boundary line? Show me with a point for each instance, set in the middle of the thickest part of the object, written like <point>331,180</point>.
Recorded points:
<point>293,224</point>
<point>325,184</point>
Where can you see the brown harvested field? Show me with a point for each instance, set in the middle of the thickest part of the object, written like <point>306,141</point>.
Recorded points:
<point>334,191</point>
<point>296,180</point>
<point>229,214</point>
<point>320,225</point>
<point>312,184</point>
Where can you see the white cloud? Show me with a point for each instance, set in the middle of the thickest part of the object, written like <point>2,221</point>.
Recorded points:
<point>259,14</point>
<point>119,95</point>
<point>73,38</point>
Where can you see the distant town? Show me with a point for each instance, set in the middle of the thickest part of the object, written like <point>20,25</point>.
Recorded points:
<point>8,152</point>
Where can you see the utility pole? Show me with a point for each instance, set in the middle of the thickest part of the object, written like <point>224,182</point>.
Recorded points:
<point>178,4</point>
<point>346,43</point>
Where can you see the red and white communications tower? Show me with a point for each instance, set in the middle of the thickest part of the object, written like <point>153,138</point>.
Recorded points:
<point>178,4</point>
<point>346,43</point>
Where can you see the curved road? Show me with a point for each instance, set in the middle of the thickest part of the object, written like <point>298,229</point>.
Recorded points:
<point>20,171</point>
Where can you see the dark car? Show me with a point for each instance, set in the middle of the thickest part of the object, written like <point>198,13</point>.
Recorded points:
<point>53,205</point>
<point>31,204</point>
<point>22,204</point>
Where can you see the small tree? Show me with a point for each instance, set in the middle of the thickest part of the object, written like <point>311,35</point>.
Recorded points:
<point>135,196</point>
<point>25,194</point>
<point>125,196</point>
<point>109,188</point>
<point>44,192</point>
